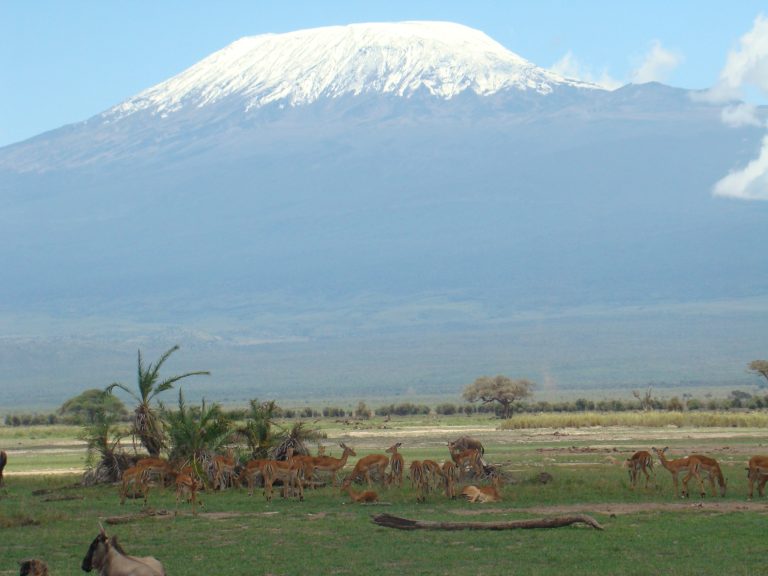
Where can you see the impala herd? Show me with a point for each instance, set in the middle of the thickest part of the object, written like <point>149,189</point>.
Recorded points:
<point>297,471</point>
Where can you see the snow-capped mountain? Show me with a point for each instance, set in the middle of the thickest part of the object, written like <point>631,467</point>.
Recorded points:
<point>391,206</point>
<point>298,68</point>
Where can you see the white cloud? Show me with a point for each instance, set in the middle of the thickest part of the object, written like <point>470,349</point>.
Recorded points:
<point>745,66</point>
<point>751,183</point>
<point>658,63</point>
<point>741,114</point>
<point>570,67</point>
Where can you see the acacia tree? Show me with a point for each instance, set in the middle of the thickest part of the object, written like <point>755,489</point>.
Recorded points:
<point>759,367</point>
<point>146,422</point>
<point>501,389</point>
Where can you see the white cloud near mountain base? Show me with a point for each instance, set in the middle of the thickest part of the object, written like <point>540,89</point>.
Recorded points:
<point>657,64</point>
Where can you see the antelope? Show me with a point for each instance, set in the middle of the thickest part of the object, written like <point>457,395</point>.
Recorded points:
<point>107,556</point>
<point>367,497</point>
<point>3,462</point>
<point>689,464</point>
<point>464,459</point>
<point>450,477</point>
<point>466,443</point>
<point>159,467</point>
<point>250,470</point>
<point>396,465</point>
<point>367,464</point>
<point>483,494</point>
<point>288,472</point>
<point>33,568</point>
<point>433,473</point>
<point>135,476</point>
<point>715,474</point>
<point>187,486</point>
<point>640,461</point>
<point>757,471</point>
<point>331,464</point>
<point>419,480</point>
<point>223,471</point>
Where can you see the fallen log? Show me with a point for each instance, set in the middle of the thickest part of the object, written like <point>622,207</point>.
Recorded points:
<point>390,521</point>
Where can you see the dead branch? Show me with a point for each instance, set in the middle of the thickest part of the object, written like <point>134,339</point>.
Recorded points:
<point>390,521</point>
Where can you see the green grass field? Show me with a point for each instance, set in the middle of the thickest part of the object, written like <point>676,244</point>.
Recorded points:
<point>646,531</point>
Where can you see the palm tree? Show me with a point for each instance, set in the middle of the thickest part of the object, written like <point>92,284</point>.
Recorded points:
<point>196,434</point>
<point>105,461</point>
<point>257,428</point>
<point>147,426</point>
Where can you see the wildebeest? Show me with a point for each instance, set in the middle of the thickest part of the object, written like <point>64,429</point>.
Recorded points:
<point>107,556</point>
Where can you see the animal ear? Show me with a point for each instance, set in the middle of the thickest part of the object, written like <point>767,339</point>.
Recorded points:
<point>102,532</point>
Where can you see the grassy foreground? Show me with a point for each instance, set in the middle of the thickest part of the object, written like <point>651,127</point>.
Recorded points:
<point>646,531</point>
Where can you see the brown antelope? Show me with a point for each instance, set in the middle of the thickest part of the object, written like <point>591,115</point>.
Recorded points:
<point>419,480</point>
<point>372,463</point>
<point>135,477</point>
<point>483,494</point>
<point>333,465</point>
<point>640,461</point>
<point>433,472</point>
<point>450,478</point>
<point>252,469</point>
<point>158,468</point>
<point>367,497</point>
<point>107,556</point>
<point>466,460</point>
<point>689,464</point>
<point>757,471</point>
<point>187,486</point>
<point>3,462</point>
<point>33,568</point>
<point>288,472</point>
<point>396,465</point>
<point>715,474</point>
<point>223,471</point>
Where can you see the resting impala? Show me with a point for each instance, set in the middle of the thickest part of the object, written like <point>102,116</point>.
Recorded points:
<point>689,464</point>
<point>483,494</point>
<point>333,465</point>
<point>712,468</point>
<point>640,461</point>
<point>372,463</point>
<point>367,497</point>
<point>396,465</point>
<point>757,471</point>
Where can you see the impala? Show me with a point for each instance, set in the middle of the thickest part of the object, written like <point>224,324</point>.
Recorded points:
<point>223,471</point>
<point>466,459</point>
<point>712,468</point>
<point>333,465</point>
<point>433,472</point>
<point>367,497</point>
<point>450,477</point>
<point>156,467</point>
<point>286,471</point>
<point>640,461</point>
<point>372,463</point>
<point>396,465</point>
<point>483,494</point>
<point>252,469</point>
<point>757,471</point>
<point>419,480</point>
<point>689,464</point>
<point>134,476</point>
<point>187,486</point>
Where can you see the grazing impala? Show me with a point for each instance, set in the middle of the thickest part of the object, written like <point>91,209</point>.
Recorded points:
<point>757,471</point>
<point>223,471</point>
<point>640,461</point>
<point>712,468</point>
<point>689,464</point>
<point>187,486</point>
<point>372,463</point>
<point>333,465</point>
<point>396,465</point>
<point>433,472</point>
<point>158,468</point>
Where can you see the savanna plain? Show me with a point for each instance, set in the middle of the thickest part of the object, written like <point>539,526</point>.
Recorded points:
<point>46,513</point>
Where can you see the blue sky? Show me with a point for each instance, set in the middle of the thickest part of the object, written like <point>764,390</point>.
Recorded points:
<point>64,61</point>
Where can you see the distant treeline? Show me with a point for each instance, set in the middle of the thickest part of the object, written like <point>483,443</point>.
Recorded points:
<point>736,400</point>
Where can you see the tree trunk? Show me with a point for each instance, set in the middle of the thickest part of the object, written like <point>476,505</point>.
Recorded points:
<point>390,521</point>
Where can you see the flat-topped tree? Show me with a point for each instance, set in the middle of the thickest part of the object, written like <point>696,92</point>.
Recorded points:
<point>501,389</point>
<point>759,367</point>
